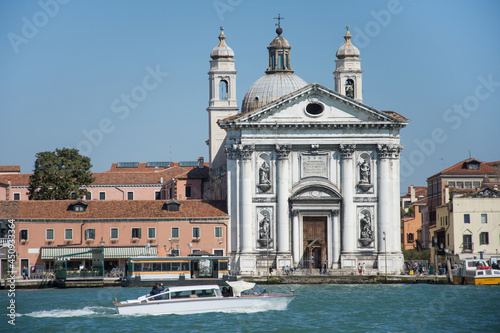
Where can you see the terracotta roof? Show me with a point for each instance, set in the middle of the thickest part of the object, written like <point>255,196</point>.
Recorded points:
<point>112,178</point>
<point>396,115</point>
<point>10,168</point>
<point>19,179</point>
<point>112,209</point>
<point>460,168</point>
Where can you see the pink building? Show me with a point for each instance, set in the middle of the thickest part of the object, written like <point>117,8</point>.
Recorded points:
<point>127,181</point>
<point>124,228</point>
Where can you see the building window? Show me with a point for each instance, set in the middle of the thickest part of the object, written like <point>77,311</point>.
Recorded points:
<point>409,238</point>
<point>466,218</point>
<point>451,184</point>
<point>484,218</point>
<point>448,240</point>
<point>170,193</point>
<point>102,195</point>
<point>460,184</point>
<point>23,234</point>
<point>17,196</point>
<point>89,234</point>
<point>468,184</point>
<point>349,88</point>
<point>68,234</point>
<point>136,232</point>
<point>467,242</point>
<point>196,232</point>
<point>223,90</point>
<point>151,233</point>
<point>113,233</point>
<point>175,232</point>
<point>88,196</point>
<point>157,195</point>
<point>218,253</point>
<point>483,238</point>
<point>476,184</point>
<point>79,208</point>
<point>130,195</point>
<point>218,232</point>
<point>49,234</point>
<point>188,191</point>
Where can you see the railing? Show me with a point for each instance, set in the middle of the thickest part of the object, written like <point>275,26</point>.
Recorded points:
<point>4,241</point>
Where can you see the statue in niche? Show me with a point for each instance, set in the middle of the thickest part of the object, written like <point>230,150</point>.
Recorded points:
<point>264,227</point>
<point>364,176</point>
<point>364,172</point>
<point>265,232</point>
<point>264,181</point>
<point>366,229</point>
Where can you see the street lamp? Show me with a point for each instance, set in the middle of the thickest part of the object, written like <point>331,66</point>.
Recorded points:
<point>385,254</point>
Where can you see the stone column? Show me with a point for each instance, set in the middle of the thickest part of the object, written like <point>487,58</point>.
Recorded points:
<point>384,199</point>
<point>335,239</point>
<point>232,197</point>
<point>246,220</point>
<point>395,221</point>
<point>283,235</point>
<point>348,207</point>
<point>296,237</point>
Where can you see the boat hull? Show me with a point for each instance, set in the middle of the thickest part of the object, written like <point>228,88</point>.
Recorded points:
<point>476,281</point>
<point>202,305</point>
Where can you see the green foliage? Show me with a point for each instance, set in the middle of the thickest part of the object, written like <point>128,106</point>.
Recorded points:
<point>413,254</point>
<point>59,174</point>
<point>274,280</point>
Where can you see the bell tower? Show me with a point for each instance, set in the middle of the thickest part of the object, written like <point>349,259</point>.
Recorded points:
<point>348,74</point>
<point>222,103</point>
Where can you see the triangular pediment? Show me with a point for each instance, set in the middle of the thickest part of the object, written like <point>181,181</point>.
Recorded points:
<point>315,105</point>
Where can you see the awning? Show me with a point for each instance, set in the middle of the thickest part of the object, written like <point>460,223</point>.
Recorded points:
<point>115,252</point>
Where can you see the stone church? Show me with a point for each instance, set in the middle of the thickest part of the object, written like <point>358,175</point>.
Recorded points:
<point>310,174</point>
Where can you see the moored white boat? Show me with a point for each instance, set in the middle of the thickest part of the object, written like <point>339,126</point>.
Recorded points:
<point>239,296</point>
<point>477,272</point>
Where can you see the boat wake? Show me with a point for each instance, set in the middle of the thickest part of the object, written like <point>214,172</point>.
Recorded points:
<point>60,313</point>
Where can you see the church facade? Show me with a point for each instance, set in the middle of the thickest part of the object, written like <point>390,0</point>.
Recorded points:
<point>310,174</point>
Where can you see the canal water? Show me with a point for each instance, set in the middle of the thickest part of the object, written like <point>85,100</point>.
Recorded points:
<point>317,308</point>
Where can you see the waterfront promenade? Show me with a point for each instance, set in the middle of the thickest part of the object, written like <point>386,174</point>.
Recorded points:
<point>298,278</point>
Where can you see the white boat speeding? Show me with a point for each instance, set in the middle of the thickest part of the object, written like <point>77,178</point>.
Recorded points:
<point>238,296</point>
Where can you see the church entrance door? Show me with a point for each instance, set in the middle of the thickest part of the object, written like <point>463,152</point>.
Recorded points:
<point>315,240</point>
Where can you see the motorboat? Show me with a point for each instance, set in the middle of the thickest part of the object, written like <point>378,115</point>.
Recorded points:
<point>475,271</point>
<point>237,296</point>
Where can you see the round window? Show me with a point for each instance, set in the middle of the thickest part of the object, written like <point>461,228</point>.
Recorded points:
<point>315,108</point>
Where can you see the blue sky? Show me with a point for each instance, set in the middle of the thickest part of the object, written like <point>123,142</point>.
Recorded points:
<point>67,65</point>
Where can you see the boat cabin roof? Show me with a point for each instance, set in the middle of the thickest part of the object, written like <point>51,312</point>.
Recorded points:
<point>198,287</point>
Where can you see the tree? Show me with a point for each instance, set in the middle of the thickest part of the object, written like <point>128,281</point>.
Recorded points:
<point>60,175</point>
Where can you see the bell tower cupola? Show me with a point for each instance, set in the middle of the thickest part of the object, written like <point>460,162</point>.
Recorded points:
<point>348,74</point>
<point>222,98</point>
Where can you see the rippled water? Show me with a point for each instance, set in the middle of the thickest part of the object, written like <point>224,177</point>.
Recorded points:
<point>317,308</point>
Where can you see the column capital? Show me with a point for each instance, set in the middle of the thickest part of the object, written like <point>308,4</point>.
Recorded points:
<point>346,151</point>
<point>335,212</point>
<point>389,151</point>
<point>246,151</point>
<point>232,152</point>
<point>283,151</point>
<point>294,212</point>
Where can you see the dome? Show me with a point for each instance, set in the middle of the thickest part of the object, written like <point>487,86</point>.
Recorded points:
<point>222,50</point>
<point>347,50</point>
<point>269,88</point>
<point>279,42</point>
